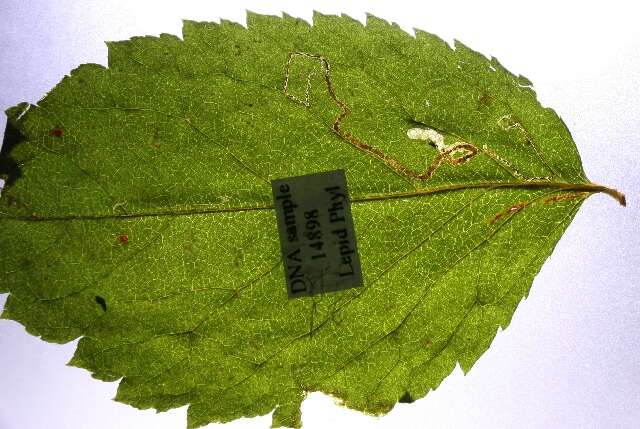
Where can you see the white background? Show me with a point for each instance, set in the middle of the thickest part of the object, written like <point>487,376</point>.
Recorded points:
<point>571,356</point>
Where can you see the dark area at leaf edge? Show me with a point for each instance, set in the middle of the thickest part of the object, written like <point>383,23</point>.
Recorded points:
<point>10,171</point>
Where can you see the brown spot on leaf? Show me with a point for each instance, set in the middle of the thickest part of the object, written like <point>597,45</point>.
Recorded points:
<point>123,238</point>
<point>484,100</point>
<point>566,197</point>
<point>509,211</point>
<point>496,218</point>
<point>56,132</point>
<point>516,207</point>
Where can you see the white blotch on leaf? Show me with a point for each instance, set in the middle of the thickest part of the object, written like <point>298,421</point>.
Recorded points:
<point>428,135</point>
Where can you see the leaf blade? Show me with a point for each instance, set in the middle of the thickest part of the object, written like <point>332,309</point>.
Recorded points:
<point>167,346</point>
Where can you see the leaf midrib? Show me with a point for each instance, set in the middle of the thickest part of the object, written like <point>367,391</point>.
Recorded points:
<point>559,186</point>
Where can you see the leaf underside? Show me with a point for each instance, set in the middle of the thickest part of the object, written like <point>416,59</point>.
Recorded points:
<point>137,212</point>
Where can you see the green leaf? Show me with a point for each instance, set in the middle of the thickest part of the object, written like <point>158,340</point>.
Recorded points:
<point>137,212</point>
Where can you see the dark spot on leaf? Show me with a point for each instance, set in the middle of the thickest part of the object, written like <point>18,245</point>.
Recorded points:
<point>123,238</point>
<point>25,263</point>
<point>56,132</point>
<point>406,399</point>
<point>101,302</point>
<point>484,100</point>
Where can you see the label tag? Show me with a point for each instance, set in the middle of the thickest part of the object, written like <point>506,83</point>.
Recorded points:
<point>317,237</point>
